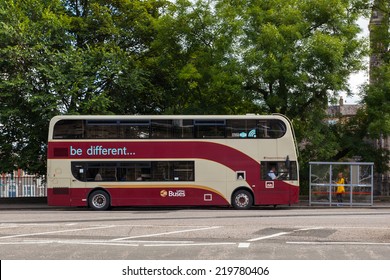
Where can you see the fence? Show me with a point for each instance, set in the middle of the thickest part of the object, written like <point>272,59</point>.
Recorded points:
<point>358,188</point>
<point>22,186</point>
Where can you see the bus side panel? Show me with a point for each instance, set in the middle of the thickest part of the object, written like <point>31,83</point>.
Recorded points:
<point>69,197</point>
<point>165,196</point>
<point>276,193</point>
<point>58,197</point>
<point>294,194</point>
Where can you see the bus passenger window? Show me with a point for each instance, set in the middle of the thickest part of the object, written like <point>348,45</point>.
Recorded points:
<point>271,129</point>
<point>210,129</point>
<point>101,129</point>
<point>183,129</point>
<point>134,129</point>
<point>69,129</point>
<point>162,129</point>
<point>78,170</point>
<point>241,128</point>
<point>183,171</point>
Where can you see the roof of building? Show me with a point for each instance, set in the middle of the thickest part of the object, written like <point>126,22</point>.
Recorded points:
<point>343,110</point>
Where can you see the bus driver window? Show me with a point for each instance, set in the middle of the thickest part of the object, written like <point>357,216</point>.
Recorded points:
<point>278,170</point>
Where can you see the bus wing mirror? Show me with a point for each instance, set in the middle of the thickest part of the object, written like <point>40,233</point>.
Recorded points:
<point>287,162</point>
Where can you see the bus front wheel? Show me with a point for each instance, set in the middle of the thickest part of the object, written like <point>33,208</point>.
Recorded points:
<point>242,199</point>
<point>99,200</point>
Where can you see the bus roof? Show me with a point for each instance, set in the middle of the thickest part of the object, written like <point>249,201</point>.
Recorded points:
<point>140,117</point>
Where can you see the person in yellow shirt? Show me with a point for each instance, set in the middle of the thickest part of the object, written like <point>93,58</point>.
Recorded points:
<point>340,190</point>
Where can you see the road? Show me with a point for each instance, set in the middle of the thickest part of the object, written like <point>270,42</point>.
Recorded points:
<point>196,234</point>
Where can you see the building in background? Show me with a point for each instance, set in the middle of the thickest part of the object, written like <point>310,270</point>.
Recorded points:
<point>342,112</point>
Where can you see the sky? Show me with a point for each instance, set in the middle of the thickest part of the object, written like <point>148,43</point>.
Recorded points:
<point>357,79</point>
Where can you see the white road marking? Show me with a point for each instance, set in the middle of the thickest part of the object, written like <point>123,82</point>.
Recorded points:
<point>100,243</point>
<point>9,226</point>
<point>306,229</point>
<point>163,233</point>
<point>26,242</point>
<point>335,243</point>
<point>130,242</point>
<point>268,236</point>
<point>244,245</point>
<point>282,233</point>
<point>112,243</point>
<point>193,244</point>
<point>51,232</point>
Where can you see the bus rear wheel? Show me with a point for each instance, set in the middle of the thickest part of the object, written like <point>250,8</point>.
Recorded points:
<point>242,200</point>
<point>99,200</point>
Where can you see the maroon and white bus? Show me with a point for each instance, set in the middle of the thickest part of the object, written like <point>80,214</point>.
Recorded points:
<point>104,161</point>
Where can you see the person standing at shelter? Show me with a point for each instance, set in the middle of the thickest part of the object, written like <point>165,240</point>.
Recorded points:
<point>340,190</point>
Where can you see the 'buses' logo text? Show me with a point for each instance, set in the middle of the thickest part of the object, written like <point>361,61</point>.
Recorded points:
<point>177,193</point>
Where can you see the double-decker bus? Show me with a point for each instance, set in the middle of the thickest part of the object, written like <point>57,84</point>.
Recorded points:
<point>107,161</point>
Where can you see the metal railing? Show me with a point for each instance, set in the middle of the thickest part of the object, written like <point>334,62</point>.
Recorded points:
<point>22,186</point>
<point>358,188</point>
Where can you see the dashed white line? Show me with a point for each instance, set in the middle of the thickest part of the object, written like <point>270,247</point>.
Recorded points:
<point>244,245</point>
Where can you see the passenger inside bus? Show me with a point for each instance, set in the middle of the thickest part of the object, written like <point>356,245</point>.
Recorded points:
<point>278,170</point>
<point>272,173</point>
<point>98,177</point>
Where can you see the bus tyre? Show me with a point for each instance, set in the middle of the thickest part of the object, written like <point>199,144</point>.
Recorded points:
<point>99,200</point>
<point>242,199</point>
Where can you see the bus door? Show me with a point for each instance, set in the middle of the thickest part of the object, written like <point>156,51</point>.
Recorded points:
<point>78,190</point>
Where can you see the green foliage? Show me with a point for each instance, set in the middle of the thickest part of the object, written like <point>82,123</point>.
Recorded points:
<point>172,57</point>
<point>32,31</point>
<point>299,54</point>
<point>198,64</point>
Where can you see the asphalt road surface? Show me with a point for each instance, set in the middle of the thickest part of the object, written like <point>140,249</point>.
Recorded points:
<point>196,234</point>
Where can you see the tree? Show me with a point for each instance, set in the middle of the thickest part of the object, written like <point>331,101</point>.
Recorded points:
<point>31,33</point>
<point>112,46</point>
<point>181,57</point>
<point>69,57</point>
<point>296,58</point>
<point>299,54</point>
<point>198,63</point>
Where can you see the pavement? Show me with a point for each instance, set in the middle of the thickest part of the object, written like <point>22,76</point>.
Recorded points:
<point>23,203</point>
<point>40,203</point>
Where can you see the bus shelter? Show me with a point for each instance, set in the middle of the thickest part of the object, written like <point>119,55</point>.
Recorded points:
<point>358,186</point>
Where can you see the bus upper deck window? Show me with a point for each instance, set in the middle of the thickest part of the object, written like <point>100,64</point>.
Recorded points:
<point>68,129</point>
<point>210,128</point>
<point>162,129</point>
<point>241,128</point>
<point>102,129</point>
<point>272,129</point>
